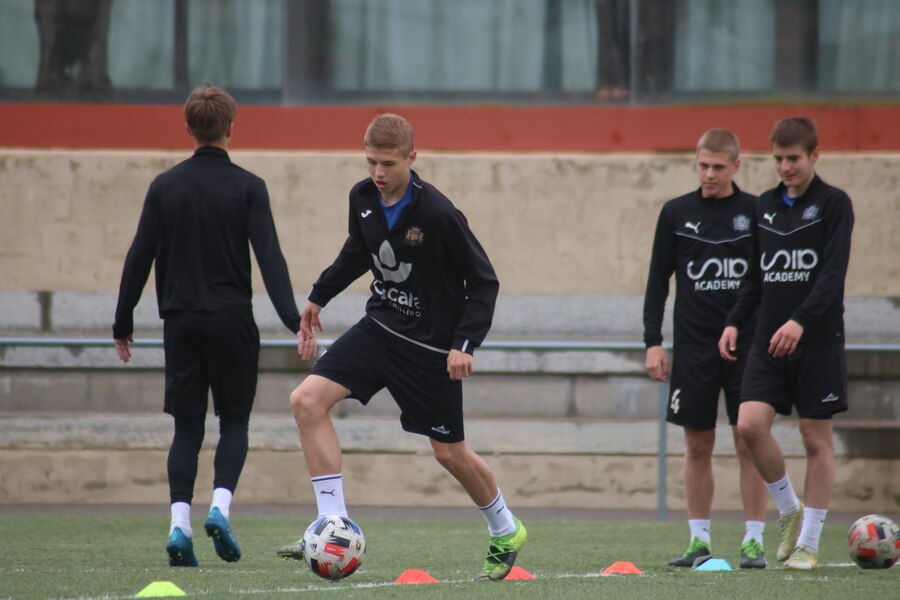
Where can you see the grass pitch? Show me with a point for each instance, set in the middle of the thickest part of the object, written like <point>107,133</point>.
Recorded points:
<point>117,555</point>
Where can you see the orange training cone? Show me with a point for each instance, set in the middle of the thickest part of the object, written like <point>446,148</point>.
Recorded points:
<point>415,576</point>
<point>519,573</point>
<point>621,568</point>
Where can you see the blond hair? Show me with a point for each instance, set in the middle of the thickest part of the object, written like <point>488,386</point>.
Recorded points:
<point>720,141</point>
<point>389,131</point>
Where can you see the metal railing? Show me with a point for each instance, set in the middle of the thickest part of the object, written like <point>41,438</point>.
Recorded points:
<point>496,345</point>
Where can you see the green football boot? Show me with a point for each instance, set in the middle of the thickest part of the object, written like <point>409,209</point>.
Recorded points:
<point>294,550</point>
<point>696,554</point>
<point>752,555</point>
<point>502,554</point>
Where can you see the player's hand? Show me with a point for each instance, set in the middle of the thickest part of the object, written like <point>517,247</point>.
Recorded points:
<point>728,344</point>
<point>657,363</point>
<point>784,341</point>
<point>123,350</point>
<point>459,365</point>
<point>309,325</point>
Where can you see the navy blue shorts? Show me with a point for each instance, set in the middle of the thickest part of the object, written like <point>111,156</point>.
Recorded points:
<point>205,351</point>
<point>813,379</point>
<point>698,376</point>
<point>368,358</point>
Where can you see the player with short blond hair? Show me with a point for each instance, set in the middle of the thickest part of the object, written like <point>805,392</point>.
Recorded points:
<point>703,238</point>
<point>432,302</point>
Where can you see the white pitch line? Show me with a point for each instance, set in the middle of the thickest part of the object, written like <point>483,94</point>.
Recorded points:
<point>375,584</point>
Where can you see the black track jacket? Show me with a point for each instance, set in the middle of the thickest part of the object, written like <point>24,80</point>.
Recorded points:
<point>706,242</point>
<point>197,219</point>
<point>433,283</point>
<point>801,258</point>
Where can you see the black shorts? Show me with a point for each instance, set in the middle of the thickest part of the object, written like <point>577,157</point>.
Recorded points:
<point>698,375</point>
<point>813,379</point>
<point>210,350</point>
<point>368,358</point>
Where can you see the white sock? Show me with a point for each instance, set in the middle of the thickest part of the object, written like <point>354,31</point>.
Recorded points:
<point>700,529</point>
<point>754,531</point>
<point>181,518</point>
<point>783,493</point>
<point>329,490</point>
<point>498,516</point>
<point>811,529</point>
<point>222,500</point>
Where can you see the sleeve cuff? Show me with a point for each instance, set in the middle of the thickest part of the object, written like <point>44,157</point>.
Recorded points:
<point>650,342</point>
<point>120,332</point>
<point>318,298</point>
<point>464,345</point>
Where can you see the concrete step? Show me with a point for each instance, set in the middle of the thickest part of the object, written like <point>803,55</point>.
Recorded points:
<point>548,316</point>
<point>620,437</point>
<point>134,389</point>
<point>587,465</point>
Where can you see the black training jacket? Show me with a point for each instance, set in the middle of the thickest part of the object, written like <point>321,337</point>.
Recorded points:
<point>196,223</point>
<point>802,253</point>
<point>706,243</point>
<point>433,283</point>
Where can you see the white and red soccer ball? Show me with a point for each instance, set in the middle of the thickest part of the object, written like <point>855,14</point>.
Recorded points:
<point>874,542</point>
<point>333,547</point>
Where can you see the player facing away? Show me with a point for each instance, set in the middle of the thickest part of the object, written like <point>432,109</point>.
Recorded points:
<point>704,238</point>
<point>197,220</point>
<point>801,233</point>
<point>432,302</point>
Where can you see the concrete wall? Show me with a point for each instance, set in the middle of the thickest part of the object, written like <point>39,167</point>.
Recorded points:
<point>553,224</point>
<point>121,459</point>
<point>570,236</point>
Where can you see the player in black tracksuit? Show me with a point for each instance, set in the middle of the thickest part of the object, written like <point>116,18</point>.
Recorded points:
<point>802,231</point>
<point>704,238</point>
<point>197,225</point>
<point>432,302</point>
<point>432,282</point>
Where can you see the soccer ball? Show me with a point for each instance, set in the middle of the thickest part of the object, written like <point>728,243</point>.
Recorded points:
<point>874,542</point>
<point>333,547</point>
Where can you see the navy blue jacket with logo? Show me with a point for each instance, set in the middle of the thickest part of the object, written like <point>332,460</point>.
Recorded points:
<point>433,283</point>
<point>706,243</point>
<point>801,258</point>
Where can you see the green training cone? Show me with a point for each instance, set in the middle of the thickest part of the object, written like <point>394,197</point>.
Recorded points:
<point>160,589</point>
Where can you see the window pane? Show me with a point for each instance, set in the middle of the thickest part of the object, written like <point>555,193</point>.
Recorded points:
<point>433,45</point>
<point>235,43</point>
<point>141,44</point>
<point>724,46</point>
<point>859,42</point>
<point>19,46</point>
<point>580,46</point>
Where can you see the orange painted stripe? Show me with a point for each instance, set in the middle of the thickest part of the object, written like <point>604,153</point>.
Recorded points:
<point>448,128</point>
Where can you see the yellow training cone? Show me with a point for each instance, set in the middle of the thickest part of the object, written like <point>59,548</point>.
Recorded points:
<point>160,589</point>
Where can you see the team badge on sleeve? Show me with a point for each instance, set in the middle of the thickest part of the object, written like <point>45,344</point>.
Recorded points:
<point>414,236</point>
